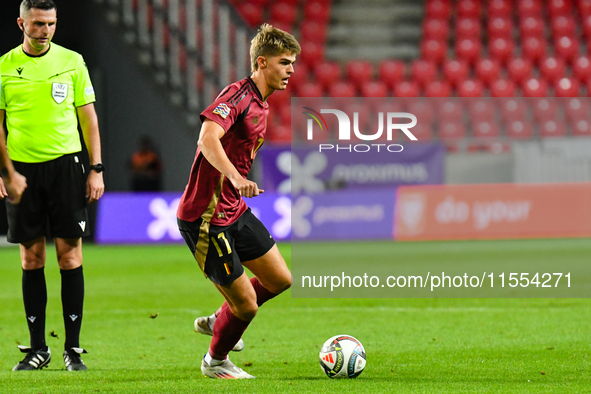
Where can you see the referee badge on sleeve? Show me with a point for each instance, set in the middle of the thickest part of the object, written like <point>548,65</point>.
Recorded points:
<point>59,92</point>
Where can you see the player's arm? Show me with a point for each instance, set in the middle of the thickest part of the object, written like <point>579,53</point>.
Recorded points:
<point>213,151</point>
<point>95,186</point>
<point>12,184</point>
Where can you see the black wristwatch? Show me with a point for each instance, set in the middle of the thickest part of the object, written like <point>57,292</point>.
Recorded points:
<point>98,167</point>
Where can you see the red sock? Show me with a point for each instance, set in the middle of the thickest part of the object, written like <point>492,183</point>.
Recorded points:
<point>263,295</point>
<point>227,330</point>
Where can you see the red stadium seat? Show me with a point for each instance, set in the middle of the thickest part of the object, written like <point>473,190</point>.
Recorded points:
<point>563,26</point>
<point>359,72</point>
<point>327,73</point>
<point>434,50</point>
<point>288,27</point>
<point>531,27</point>
<point>481,110</point>
<point>312,53</point>
<point>423,72</point>
<point>534,49</point>
<point>500,27</point>
<point>252,14</point>
<point>581,128</point>
<point>470,88</point>
<point>587,27</point>
<point>438,9</point>
<point>567,87</point>
<point>485,129</point>
<point>280,134</point>
<point>552,128</point>
<point>317,11</point>
<point>374,89</point>
<point>501,49</point>
<point>300,75</point>
<point>500,8</point>
<point>567,48</point>
<point>552,68</point>
<point>526,8</point>
<point>535,87</point>
<point>422,109</point>
<point>468,49</point>
<point>584,7</point>
<point>519,69</point>
<point>486,145</point>
<point>576,109</point>
<point>436,28</point>
<point>311,31</point>
<point>455,71</point>
<point>391,72</point>
<point>468,9</point>
<point>488,70</point>
<point>438,89</point>
<point>283,12</point>
<point>519,130</point>
<point>309,89</point>
<point>502,88</point>
<point>544,109</point>
<point>450,110</point>
<point>467,28</point>
<point>407,89</point>
<point>449,130</point>
<point>514,109</point>
<point>582,68</point>
<point>559,7</point>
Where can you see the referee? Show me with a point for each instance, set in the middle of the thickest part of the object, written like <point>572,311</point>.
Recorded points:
<point>46,92</point>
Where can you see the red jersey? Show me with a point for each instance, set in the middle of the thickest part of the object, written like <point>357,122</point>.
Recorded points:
<point>241,112</point>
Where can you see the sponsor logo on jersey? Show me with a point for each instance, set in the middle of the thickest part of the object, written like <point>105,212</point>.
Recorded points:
<point>19,70</point>
<point>89,91</point>
<point>255,120</point>
<point>82,225</point>
<point>222,110</point>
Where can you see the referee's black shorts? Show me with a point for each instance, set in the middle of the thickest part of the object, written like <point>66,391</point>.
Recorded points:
<point>220,250</point>
<point>56,192</point>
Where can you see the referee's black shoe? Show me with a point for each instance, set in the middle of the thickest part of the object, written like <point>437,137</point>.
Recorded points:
<point>35,359</point>
<point>73,360</point>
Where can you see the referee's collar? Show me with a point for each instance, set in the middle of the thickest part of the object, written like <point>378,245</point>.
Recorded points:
<point>43,54</point>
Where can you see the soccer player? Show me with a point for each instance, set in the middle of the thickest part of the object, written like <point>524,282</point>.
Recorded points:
<point>46,92</point>
<point>214,220</point>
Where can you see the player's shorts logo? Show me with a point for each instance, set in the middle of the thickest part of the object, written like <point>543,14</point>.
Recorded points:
<point>59,92</point>
<point>222,110</point>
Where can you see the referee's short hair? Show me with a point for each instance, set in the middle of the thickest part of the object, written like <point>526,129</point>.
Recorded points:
<point>26,5</point>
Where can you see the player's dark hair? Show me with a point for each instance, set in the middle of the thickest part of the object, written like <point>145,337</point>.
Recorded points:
<point>271,41</point>
<point>26,5</point>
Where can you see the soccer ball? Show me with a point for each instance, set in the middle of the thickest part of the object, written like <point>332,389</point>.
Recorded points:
<point>342,356</point>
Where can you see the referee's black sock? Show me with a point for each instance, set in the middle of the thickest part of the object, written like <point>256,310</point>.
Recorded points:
<point>72,302</point>
<point>35,299</point>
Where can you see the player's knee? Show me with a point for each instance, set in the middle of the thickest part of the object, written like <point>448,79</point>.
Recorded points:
<point>282,285</point>
<point>246,311</point>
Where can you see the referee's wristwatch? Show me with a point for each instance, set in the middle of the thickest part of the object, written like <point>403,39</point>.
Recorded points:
<point>98,167</point>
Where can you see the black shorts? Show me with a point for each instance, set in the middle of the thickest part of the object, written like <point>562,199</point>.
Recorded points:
<point>219,250</point>
<point>56,192</point>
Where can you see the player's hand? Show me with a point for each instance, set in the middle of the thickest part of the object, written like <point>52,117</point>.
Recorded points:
<point>246,188</point>
<point>95,187</point>
<point>14,188</point>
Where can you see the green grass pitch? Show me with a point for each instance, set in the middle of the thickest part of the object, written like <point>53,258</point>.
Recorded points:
<point>412,345</point>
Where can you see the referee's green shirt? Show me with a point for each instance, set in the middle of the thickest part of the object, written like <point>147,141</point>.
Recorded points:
<point>40,95</point>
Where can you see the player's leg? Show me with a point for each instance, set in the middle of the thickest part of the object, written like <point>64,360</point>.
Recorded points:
<point>26,226</point>
<point>68,219</point>
<point>241,308</point>
<point>69,256</point>
<point>38,354</point>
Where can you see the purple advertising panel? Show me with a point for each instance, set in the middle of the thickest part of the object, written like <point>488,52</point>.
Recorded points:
<point>151,217</point>
<point>340,215</point>
<point>309,169</point>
